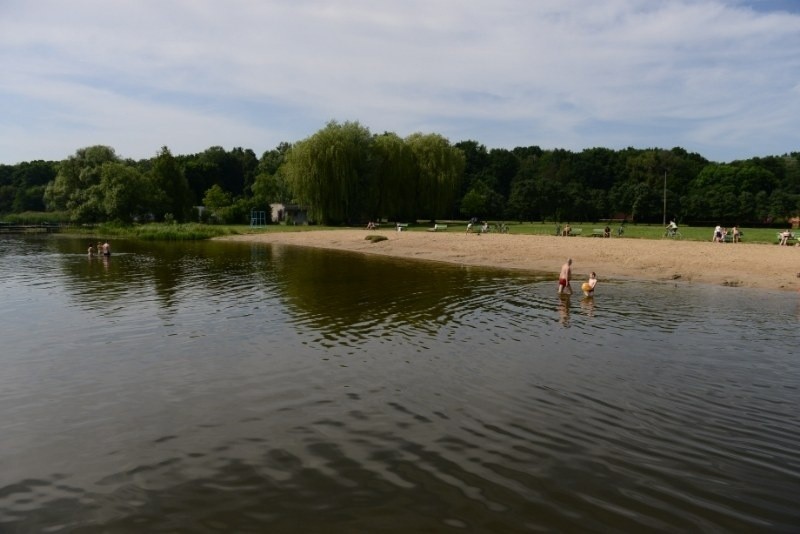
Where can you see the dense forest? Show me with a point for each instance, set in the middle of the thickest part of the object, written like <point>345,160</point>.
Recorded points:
<point>344,174</point>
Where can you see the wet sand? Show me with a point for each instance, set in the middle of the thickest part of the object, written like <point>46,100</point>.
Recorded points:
<point>762,266</point>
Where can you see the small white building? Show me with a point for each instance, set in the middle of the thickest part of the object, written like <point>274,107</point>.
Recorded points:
<point>289,213</point>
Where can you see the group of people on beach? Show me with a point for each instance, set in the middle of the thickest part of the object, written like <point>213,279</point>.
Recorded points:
<point>565,277</point>
<point>473,221</point>
<point>785,236</point>
<point>103,249</point>
<point>721,234</point>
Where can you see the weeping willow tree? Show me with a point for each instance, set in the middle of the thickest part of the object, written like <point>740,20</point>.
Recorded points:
<point>330,171</point>
<point>441,168</point>
<point>343,174</point>
<point>396,173</point>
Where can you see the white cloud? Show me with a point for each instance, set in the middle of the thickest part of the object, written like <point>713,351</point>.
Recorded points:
<point>711,76</point>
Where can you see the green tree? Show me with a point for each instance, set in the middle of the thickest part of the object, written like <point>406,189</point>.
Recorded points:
<point>553,174</point>
<point>396,172</point>
<point>270,188</point>
<point>122,193</point>
<point>476,163</point>
<point>441,168</point>
<point>503,167</point>
<point>481,201</point>
<point>329,172</point>
<point>271,160</point>
<point>271,183</point>
<point>247,166</point>
<point>216,198</point>
<point>522,201</point>
<point>171,192</point>
<point>73,188</point>
<point>30,180</point>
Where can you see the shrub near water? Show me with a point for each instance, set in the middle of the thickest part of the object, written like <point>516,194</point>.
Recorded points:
<point>164,231</point>
<point>37,217</point>
<point>181,232</point>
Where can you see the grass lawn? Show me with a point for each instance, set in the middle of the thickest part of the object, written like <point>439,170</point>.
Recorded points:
<point>195,231</point>
<point>631,231</point>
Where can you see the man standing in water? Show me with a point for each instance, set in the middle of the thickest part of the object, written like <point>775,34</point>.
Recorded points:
<point>564,277</point>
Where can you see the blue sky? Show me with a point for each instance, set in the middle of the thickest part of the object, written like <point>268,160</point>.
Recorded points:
<point>716,77</point>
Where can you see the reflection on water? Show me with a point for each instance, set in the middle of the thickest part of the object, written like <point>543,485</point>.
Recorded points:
<point>221,386</point>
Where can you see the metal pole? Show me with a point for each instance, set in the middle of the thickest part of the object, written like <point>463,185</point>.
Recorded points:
<point>665,198</point>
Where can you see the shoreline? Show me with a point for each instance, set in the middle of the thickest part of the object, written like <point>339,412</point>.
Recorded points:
<point>751,265</point>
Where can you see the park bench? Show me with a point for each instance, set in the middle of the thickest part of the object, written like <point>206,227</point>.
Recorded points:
<point>598,232</point>
<point>729,237</point>
<point>402,226</point>
<point>437,227</point>
<point>572,231</point>
<point>792,237</point>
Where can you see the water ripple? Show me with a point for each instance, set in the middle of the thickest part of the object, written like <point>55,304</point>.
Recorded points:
<point>189,388</point>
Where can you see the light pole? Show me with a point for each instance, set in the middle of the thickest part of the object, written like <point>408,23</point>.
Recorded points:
<point>665,198</point>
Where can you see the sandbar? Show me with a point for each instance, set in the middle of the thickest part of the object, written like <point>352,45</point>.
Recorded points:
<point>749,265</point>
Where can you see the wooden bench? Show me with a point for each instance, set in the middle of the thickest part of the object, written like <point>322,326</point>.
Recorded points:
<point>729,237</point>
<point>792,237</point>
<point>562,231</point>
<point>598,232</point>
<point>402,226</point>
<point>437,227</point>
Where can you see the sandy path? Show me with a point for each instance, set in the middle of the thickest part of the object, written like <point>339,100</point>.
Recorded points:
<point>741,265</point>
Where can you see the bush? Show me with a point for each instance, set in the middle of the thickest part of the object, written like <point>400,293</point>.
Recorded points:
<point>38,217</point>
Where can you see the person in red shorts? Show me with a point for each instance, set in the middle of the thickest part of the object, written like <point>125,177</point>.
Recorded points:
<point>564,277</point>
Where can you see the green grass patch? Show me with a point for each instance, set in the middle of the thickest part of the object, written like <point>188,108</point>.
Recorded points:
<point>630,231</point>
<point>198,231</point>
<point>157,231</point>
<point>36,217</point>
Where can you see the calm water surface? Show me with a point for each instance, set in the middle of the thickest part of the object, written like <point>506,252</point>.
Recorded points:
<point>230,387</point>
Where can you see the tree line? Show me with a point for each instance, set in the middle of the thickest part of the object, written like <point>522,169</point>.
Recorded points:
<point>344,174</point>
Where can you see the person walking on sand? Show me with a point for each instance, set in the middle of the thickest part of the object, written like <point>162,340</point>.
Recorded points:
<point>564,277</point>
<point>588,287</point>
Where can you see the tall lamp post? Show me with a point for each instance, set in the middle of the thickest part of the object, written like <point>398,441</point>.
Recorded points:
<point>665,198</point>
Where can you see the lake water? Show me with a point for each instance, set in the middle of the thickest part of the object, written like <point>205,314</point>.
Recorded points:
<point>232,387</point>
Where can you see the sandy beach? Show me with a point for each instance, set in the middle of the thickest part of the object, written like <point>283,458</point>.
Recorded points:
<point>761,266</point>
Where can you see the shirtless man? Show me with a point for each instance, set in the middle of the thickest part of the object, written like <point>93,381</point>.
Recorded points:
<point>564,277</point>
